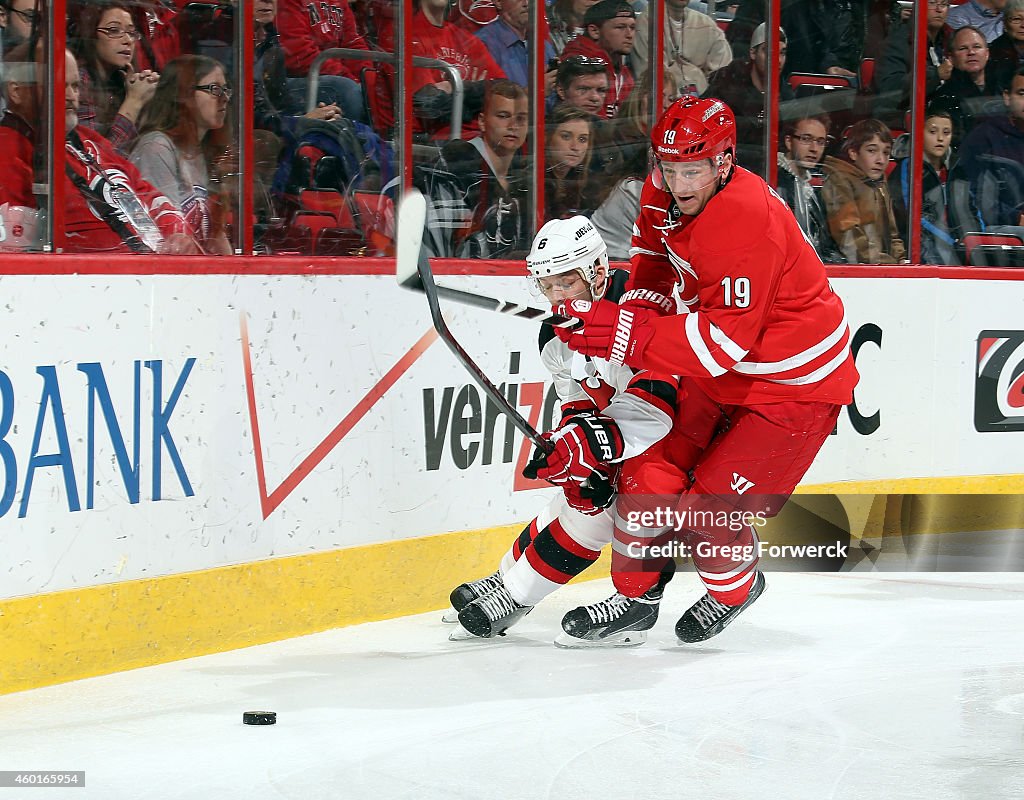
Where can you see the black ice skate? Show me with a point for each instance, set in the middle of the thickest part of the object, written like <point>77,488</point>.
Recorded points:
<point>707,617</point>
<point>490,615</point>
<point>618,621</point>
<point>465,593</point>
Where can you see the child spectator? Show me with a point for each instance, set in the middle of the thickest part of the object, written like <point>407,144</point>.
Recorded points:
<point>937,243</point>
<point>860,215</point>
<point>567,162</point>
<point>113,94</point>
<point>184,144</point>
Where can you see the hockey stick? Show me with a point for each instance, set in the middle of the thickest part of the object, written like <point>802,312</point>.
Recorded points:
<point>409,278</point>
<point>412,261</point>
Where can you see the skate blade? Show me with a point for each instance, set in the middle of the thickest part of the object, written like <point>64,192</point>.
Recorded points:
<point>623,639</point>
<point>460,634</point>
<point>450,616</point>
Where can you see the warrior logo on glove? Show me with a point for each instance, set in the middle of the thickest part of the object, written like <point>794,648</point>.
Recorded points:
<point>586,445</point>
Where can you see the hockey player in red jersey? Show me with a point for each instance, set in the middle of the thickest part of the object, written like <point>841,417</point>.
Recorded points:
<point>610,414</point>
<point>763,354</point>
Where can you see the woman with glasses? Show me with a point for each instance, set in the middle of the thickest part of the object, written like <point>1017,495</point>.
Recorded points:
<point>1007,52</point>
<point>113,94</point>
<point>184,145</point>
<point>22,20</point>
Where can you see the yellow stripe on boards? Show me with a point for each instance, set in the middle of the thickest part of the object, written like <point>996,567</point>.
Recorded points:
<point>82,633</point>
<point>969,484</point>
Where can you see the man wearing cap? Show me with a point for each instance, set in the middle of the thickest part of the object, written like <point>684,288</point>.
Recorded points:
<point>742,85</point>
<point>610,27</point>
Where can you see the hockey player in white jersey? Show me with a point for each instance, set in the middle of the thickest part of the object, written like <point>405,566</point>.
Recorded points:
<point>610,414</point>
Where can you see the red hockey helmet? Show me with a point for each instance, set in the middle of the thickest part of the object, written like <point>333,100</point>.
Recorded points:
<point>692,129</point>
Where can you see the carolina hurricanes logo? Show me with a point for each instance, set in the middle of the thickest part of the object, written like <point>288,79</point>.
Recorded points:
<point>999,384</point>
<point>482,12</point>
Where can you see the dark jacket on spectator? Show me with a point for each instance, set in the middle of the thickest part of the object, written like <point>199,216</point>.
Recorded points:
<point>470,214</point>
<point>273,103</point>
<point>992,159</point>
<point>806,204</point>
<point>732,85</point>
<point>894,76</point>
<point>968,104</point>
<point>936,240</point>
<point>1004,60</point>
<point>820,33</point>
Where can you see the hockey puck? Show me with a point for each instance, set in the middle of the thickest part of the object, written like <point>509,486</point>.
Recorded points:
<point>259,717</point>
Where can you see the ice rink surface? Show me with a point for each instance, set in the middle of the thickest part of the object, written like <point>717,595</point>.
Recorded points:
<point>831,687</point>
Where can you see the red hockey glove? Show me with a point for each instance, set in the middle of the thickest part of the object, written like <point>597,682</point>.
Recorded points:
<point>610,331</point>
<point>649,299</point>
<point>583,446</point>
<point>590,498</point>
<point>574,407</point>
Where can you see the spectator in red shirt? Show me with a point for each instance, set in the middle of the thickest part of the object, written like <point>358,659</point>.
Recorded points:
<point>433,36</point>
<point>307,29</point>
<point>610,26</point>
<point>108,207</point>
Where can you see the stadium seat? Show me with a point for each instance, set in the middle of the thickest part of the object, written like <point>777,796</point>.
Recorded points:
<point>993,249</point>
<point>315,221</point>
<point>327,200</point>
<point>339,242</point>
<point>867,74</point>
<point>808,83</point>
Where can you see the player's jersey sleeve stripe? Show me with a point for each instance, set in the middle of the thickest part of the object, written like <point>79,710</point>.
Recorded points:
<point>807,356</point>
<point>819,373</point>
<point>729,347</point>
<point>700,349</point>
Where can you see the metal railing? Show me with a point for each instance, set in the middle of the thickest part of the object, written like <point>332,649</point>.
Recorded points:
<point>388,58</point>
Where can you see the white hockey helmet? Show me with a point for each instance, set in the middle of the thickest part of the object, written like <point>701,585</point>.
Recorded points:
<point>565,245</point>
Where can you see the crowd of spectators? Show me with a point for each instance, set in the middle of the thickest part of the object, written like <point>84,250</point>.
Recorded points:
<point>152,146</point>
